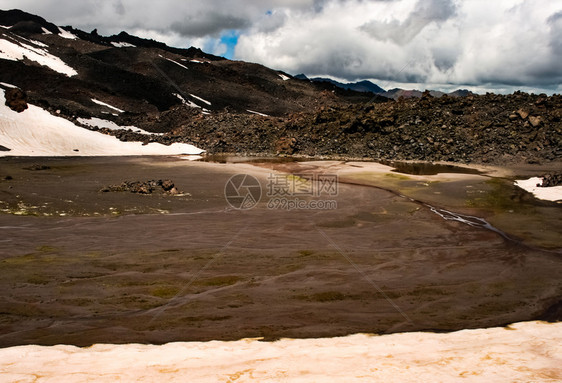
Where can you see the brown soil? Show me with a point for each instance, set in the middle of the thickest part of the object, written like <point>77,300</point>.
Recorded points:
<point>81,267</point>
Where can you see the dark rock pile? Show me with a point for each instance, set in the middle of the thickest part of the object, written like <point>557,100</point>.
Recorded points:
<point>551,179</point>
<point>144,187</point>
<point>489,128</point>
<point>16,99</point>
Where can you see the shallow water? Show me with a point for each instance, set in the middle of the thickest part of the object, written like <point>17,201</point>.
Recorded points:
<point>86,267</point>
<point>426,168</point>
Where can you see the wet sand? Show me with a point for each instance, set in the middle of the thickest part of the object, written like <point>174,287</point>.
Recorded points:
<point>81,267</point>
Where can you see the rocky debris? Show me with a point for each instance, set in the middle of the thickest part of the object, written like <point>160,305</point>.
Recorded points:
<point>523,113</point>
<point>144,187</point>
<point>534,121</point>
<point>476,129</point>
<point>16,99</point>
<point>4,149</point>
<point>37,167</point>
<point>551,179</point>
<point>8,178</point>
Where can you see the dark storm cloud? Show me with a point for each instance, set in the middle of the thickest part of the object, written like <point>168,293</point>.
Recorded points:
<point>209,23</point>
<point>554,22</point>
<point>513,42</point>
<point>424,13</point>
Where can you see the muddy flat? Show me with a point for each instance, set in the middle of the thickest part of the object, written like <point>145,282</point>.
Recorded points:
<point>81,266</point>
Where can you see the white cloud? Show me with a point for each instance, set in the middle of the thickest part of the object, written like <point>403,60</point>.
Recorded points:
<point>494,44</point>
<point>500,44</point>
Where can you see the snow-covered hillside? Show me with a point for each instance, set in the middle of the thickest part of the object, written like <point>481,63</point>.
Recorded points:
<point>35,132</point>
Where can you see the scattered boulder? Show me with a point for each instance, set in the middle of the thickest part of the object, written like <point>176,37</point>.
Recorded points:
<point>144,187</point>
<point>4,149</point>
<point>286,145</point>
<point>551,179</point>
<point>16,99</point>
<point>167,185</point>
<point>535,121</point>
<point>523,113</point>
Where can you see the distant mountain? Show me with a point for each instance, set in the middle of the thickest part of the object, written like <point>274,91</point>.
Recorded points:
<point>396,93</point>
<point>368,86</point>
<point>360,86</point>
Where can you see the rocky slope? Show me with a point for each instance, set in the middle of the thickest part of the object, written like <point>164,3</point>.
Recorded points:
<point>517,128</point>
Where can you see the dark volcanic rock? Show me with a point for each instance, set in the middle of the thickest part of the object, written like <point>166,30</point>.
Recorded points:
<point>16,99</point>
<point>27,27</point>
<point>4,149</point>
<point>167,185</point>
<point>552,179</point>
<point>143,187</point>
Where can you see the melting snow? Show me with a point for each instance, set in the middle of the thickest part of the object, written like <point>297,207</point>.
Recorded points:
<point>107,105</point>
<point>553,193</point>
<point>524,352</point>
<point>200,99</point>
<point>185,102</point>
<point>35,132</point>
<point>175,62</point>
<point>101,123</point>
<point>67,35</point>
<point>122,45</point>
<point>283,77</point>
<point>258,113</point>
<point>15,52</point>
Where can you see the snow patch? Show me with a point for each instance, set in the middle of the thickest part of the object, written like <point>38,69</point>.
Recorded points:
<point>283,77</point>
<point>67,35</point>
<point>552,193</point>
<point>35,132</point>
<point>200,99</point>
<point>39,43</point>
<point>19,52</point>
<point>523,352</point>
<point>122,45</point>
<point>101,123</point>
<point>46,31</point>
<point>7,85</point>
<point>175,62</point>
<point>258,113</point>
<point>196,61</point>
<point>107,105</point>
<point>185,102</point>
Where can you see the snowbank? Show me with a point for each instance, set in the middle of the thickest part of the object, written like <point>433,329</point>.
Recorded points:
<point>66,34</point>
<point>524,352</point>
<point>101,123</point>
<point>35,132</point>
<point>553,193</point>
<point>21,51</point>
<point>122,45</point>
<point>107,105</point>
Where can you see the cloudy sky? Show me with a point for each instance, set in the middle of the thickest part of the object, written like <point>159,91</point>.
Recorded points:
<point>482,45</point>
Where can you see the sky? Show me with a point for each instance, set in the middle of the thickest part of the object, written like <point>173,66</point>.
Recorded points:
<point>482,45</point>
